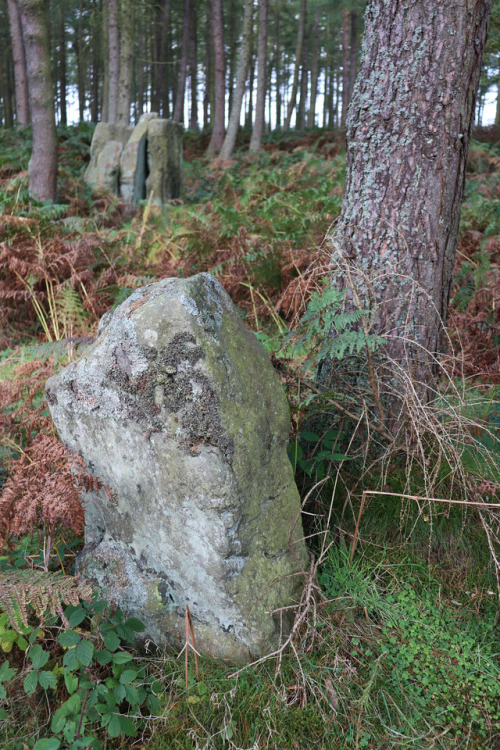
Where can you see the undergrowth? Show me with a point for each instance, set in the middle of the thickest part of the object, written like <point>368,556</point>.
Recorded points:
<point>400,646</point>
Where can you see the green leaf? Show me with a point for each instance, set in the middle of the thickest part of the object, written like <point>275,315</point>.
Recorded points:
<point>3,714</point>
<point>135,624</point>
<point>48,743</point>
<point>6,672</point>
<point>99,606</point>
<point>114,726</point>
<point>121,657</point>
<point>128,675</point>
<point>69,638</point>
<point>47,679</point>
<point>153,705</point>
<point>30,682</point>
<point>71,682</point>
<point>70,659</point>
<point>22,643</point>
<point>127,726</point>
<point>111,640</point>
<point>119,693</point>
<point>311,437</point>
<point>85,652</point>
<point>58,720</point>
<point>38,656</point>
<point>75,615</point>
<point>104,656</point>
<point>339,457</point>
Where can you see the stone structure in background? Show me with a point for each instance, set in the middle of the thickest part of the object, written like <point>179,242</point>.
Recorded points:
<point>177,408</point>
<point>137,162</point>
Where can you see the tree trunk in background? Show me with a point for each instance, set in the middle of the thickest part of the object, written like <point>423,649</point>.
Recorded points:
<point>165,56</point>
<point>81,66</point>
<point>278,66</point>
<point>181,84</point>
<point>408,133</point>
<point>311,121</point>
<point>62,68</point>
<point>232,54</point>
<point>104,40</point>
<point>193,69</point>
<point>43,162</point>
<point>218,118</point>
<point>20,76</point>
<point>353,52</point>
<point>113,59</point>
<point>304,71</point>
<point>125,78</point>
<point>243,62</point>
<point>249,113</point>
<point>96,22</point>
<point>346,59</point>
<point>6,90</point>
<point>140,67</point>
<point>209,73</point>
<point>298,58</point>
<point>258,127</point>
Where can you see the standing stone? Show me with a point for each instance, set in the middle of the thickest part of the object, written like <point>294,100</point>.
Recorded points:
<point>103,168</point>
<point>177,408</point>
<point>164,160</point>
<point>133,162</point>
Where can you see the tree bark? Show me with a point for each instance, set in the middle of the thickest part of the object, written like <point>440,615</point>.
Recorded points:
<point>258,126</point>
<point>408,133</point>
<point>298,59</point>
<point>346,60</point>
<point>181,83</point>
<point>278,66</point>
<point>243,62</point>
<point>20,76</point>
<point>43,163</point>
<point>193,69</point>
<point>311,120</point>
<point>125,78</point>
<point>81,65</point>
<point>218,119</point>
<point>113,59</point>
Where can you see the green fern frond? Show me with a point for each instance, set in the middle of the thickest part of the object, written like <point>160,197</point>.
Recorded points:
<point>21,590</point>
<point>69,307</point>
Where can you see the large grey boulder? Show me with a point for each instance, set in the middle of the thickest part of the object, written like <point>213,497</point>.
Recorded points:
<point>177,408</point>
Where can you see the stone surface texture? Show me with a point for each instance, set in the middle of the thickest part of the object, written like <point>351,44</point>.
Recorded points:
<point>98,172</point>
<point>138,163</point>
<point>177,408</point>
<point>164,160</point>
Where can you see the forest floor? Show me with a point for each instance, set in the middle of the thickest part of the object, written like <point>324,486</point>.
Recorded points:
<point>399,646</point>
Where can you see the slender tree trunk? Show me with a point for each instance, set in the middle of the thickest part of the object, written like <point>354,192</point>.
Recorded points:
<point>408,133</point>
<point>249,113</point>
<point>218,119</point>
<point>258,127</point>
<point>96,22</point>
<point>80,65</point>
<point>20,76</point>
<point>232,54</point>
<point>113,59</point>
<point>301,109</point>
<point>43,163</point>
<point>497,113</point>
<point>166,57</point>
<point>125,78</point>
<point>298,59</point>
<point>209,73</point>
<point>278,66</point>
<point>62,68</point>
<point>140,67</point>
<point>314,72</point>
<point>243,61</point>
<point>353,51</point>
<point>6,90</point>
<point>346,59</point>
<point>181,83</point>
<point>104,38</point>
<point>193,69</point>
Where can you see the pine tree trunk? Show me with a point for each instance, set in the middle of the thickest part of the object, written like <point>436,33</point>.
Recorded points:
<point>301,109</point>
<point>63,84</point>
<point>181,83</point>
<point>249,112</point>
<point>298,59</point>
<point>218,119</point>
<point>278,66</point>
<point>353,51</point>
<point>408,133</point>
<point>104,40</point>
<point>81,66</point>
<point>113,59</point>
<point>209,73</point>
<point>258,127</point>
<point>243,61</point>
<point>311,121</point>
<point>5,89</point>
<point>125,78</point>
<point>20,76</point>
<point>43,163</point>
<point>193,69</point>
<point>346,61</point>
